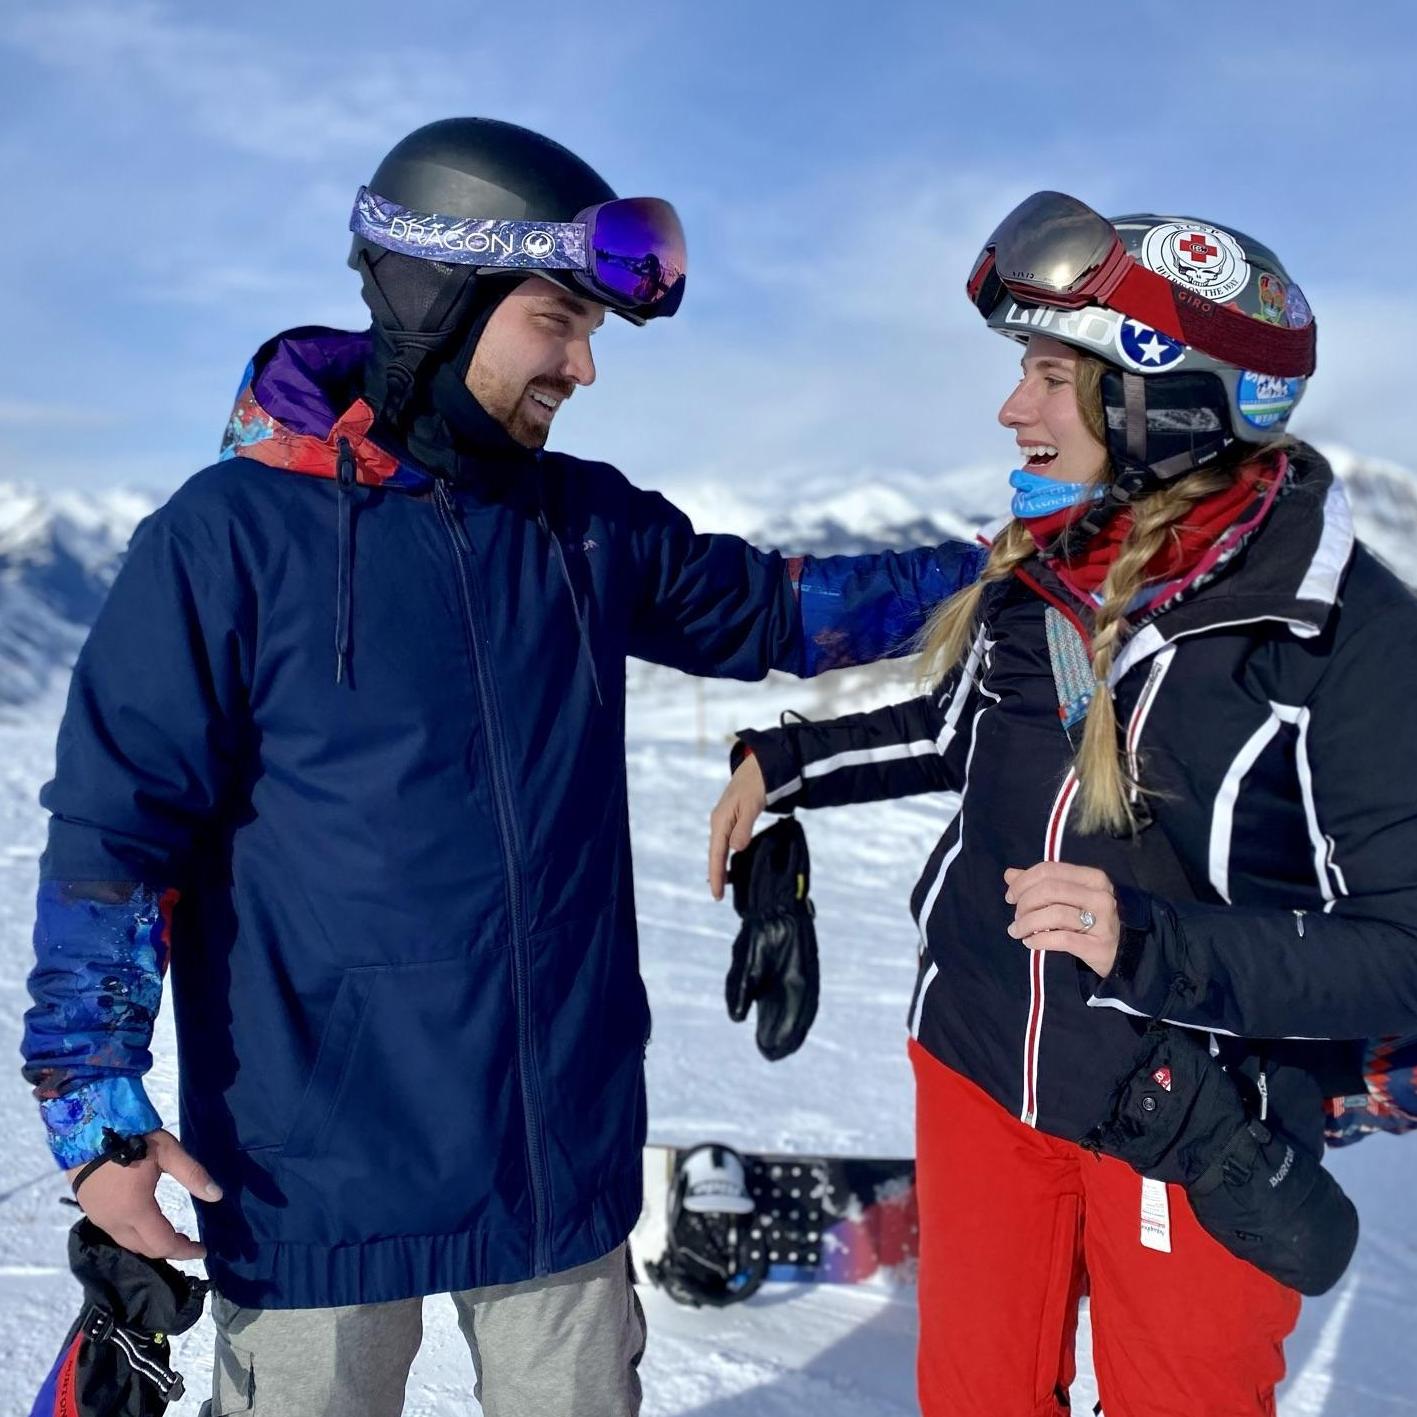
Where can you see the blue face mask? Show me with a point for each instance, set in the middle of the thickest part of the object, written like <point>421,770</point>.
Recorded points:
<point>1039,496</point>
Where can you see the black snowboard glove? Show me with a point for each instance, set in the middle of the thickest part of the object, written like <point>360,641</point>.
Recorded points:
<point>1179,1117</point>
<point>114,1362</point>
<point>775,955</point>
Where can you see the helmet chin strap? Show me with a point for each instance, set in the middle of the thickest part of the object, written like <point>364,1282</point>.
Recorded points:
<point>419,307</point>
<point>1157,431</point>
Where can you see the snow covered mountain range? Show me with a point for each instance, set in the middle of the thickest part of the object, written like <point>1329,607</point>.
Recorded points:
<point>60,550</point>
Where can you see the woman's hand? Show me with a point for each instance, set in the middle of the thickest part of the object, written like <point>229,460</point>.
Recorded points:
<point>1049,900</point>
<point>731,822</point>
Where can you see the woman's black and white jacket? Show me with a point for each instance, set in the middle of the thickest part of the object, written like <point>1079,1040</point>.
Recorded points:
<point>1273,897</point>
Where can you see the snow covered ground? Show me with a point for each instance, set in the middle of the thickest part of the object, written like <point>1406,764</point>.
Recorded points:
<point>830,1351</point>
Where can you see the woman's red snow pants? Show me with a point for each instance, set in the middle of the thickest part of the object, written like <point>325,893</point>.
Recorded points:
<point>1015,1225</point>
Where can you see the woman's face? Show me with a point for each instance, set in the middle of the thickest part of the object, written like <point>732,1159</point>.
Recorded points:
<point>1042,413</point>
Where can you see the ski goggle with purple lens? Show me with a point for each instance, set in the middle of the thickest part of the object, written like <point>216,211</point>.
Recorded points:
<point>1055,250</point>
<point>627,253</point>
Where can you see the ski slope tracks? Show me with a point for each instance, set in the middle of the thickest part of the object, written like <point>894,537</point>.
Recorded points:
<point>833,1351</point>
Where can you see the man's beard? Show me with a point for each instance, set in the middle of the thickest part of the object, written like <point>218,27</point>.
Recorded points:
<point>522,430</point>
<point>526,428</point>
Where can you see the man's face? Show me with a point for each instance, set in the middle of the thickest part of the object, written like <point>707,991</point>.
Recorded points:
<point>532,356</point>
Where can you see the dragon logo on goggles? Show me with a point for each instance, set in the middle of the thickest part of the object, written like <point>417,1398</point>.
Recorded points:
<point>628,252</point>
<point>518,245</point>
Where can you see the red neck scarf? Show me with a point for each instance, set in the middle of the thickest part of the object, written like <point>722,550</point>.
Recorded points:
<point>1201,531</point>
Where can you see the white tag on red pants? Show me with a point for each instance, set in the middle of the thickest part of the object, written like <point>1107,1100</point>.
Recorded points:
<point>1155,1216</point>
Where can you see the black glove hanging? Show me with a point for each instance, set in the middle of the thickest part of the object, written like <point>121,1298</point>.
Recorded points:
<point>114,1362</point>
<point>775,955</point>
<point>1179,1117</point>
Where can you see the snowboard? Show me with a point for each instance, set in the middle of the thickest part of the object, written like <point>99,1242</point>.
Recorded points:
<point>822,1219</point>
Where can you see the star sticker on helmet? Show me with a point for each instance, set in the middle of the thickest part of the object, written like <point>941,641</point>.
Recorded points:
<point>1143,347</point>
<point>1152,350</point>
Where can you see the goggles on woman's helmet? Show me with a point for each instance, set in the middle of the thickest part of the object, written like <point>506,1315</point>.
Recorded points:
<point>628,253</point>
<point>1056,251</point>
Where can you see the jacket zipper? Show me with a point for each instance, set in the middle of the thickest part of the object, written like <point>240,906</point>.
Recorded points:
<point>501,797</point>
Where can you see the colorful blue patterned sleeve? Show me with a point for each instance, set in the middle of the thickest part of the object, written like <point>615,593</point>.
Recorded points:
<point>148,745</point>
<point>858,609</point>
<point>101,950</point>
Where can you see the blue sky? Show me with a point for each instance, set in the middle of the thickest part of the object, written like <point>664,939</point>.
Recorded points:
<point>178,179</point>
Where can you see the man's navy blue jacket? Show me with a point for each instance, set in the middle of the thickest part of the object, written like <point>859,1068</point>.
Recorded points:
<point>347,741</point>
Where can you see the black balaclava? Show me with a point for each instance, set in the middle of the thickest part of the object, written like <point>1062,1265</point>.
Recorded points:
<point>448,431</point>
<point>427,327</point>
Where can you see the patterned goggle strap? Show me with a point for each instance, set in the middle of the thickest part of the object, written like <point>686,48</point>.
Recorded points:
<point>628,252</point>
<point>516,245</point>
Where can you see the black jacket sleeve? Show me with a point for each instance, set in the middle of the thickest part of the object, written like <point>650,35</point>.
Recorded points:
<point>894,751</point>
<point>1350,970</point>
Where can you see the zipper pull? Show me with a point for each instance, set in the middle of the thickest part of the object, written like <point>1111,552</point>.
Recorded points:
<point>1264,1095</point>
<point>346,473</point>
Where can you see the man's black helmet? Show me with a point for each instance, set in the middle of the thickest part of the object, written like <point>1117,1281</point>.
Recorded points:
<point>469,168</point>
<point>481,168</point>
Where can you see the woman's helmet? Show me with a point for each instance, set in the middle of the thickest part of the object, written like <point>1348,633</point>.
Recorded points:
<point>1207,338</point>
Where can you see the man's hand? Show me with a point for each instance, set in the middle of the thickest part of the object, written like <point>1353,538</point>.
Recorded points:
<point>121,1200</point>
<point>731,822</point>
<point>1049,900</point>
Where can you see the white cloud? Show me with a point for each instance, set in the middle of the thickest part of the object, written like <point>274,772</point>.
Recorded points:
<point>248,94</point>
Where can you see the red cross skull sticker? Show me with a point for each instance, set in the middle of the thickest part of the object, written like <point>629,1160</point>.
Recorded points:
<point>1194,245</point>
<point>1199,256</point>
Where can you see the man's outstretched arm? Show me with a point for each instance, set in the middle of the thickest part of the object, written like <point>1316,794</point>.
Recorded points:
<point>716,605</point>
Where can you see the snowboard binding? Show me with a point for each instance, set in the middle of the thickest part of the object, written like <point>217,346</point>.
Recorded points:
<point>713,1255</point>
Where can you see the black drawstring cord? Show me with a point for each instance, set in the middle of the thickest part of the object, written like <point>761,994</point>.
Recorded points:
<point>575,609</point>
<point>346,476</point>
<point>581,628</point>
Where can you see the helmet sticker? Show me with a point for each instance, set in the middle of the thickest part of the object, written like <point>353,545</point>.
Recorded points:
<point>1273,295</point>
<point>1265,399</point>
<point>1141,347</point>
<point>1296,309</point>
<point>1133,343</point>
<point>1202,257</point>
